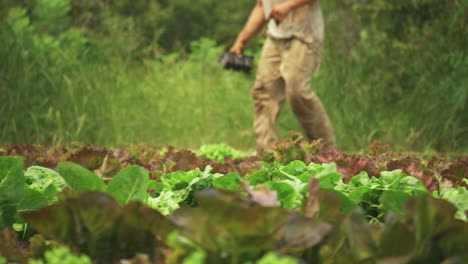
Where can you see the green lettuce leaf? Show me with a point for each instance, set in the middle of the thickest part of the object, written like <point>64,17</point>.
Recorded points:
<point>230,181</point>
<point>79,178</point>
<point>129,184</point>
<point>288,193</point>
<point>394,201</point>
<point>396,180</point>
<point>31,200</point>
<point>61,255</point>
<point>179,187</point>
<point>297,170</point>
<point>46,181</point>
<point>11,188</point>
<point>168,201</point>
<point>11,180</point>
<point>219,152</point>
<point>328,177</point>
<point>458,197</point>
<point>259,177</point>
<point>39,178</point>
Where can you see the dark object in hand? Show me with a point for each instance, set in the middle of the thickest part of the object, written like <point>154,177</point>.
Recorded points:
<point>231,61</point>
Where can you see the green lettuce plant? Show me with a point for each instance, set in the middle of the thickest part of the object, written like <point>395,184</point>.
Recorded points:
<point>219,152</point>
<point>62,255</point>
<point>458,197</point>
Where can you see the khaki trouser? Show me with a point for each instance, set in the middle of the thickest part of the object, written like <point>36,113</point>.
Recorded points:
<point>284,72</point>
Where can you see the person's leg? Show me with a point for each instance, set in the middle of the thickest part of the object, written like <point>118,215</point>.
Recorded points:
<point>299,61</point>
<point>268,94</point>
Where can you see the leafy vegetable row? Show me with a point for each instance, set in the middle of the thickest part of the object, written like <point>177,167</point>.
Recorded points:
<point>226,226</point>
<point>437,172</point>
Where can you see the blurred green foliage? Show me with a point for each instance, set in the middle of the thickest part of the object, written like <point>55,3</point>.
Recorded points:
<point>399,65</point>
<point>109,72</point>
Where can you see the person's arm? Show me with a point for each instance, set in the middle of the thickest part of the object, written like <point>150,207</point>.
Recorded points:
<point>252,27</point>
<point>280,11</point>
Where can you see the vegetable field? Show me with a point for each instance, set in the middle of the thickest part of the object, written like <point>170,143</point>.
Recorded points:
<point>291,204</point>
<point>122,73</point>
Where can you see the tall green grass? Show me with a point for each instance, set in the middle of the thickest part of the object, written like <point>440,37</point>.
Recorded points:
<point>181,102</point>
<point>185,102</point>
<point>398,72</point>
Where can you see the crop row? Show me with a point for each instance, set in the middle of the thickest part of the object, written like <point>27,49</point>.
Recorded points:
<point>259,211</point>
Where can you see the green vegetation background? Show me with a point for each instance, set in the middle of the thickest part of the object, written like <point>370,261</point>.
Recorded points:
<point>117,72</point>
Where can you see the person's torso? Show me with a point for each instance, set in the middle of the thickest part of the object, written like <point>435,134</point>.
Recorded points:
<point>304,22</point>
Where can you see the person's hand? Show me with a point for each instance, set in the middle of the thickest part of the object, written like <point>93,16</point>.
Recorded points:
<point>279,12</point>
<point>237,48</point>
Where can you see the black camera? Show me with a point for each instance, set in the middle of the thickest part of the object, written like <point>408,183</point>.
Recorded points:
<point>231,61</point>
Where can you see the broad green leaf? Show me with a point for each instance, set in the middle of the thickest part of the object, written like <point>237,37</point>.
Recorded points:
<point>129,184</point>
<point>7,215</point>
<point>316,168</point>
<point>412,185</point>
<point>79,178</point>
<point>51,193</point>
<point>11,180</point>
<point>287,195</point>
<point>458,197</point>
<point>328,177</point>
<point>394,201</point>
<point>359,193</point>
<point>259,177</point>
<point>347,205</point>
<point>344,188</point>
<point>229,181</point>
<point>295,168</point>
<point>11,188</point>
<point>156,186</point>
<point>31,200</point>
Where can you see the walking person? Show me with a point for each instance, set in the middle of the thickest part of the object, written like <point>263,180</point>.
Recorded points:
<point>290,55</point>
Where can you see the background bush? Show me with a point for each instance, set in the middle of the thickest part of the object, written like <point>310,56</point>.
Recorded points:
<point>116,72</point>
